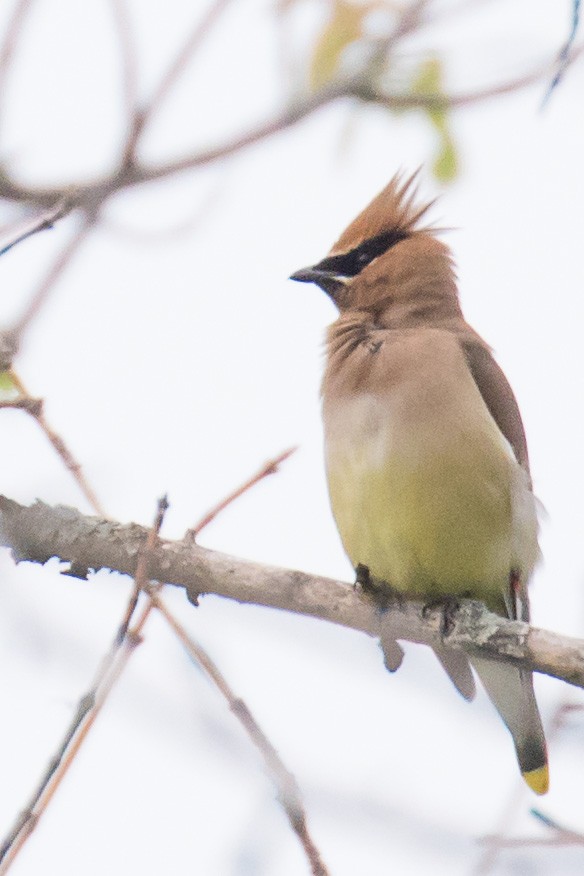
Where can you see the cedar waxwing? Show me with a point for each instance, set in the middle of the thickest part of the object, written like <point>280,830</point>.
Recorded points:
<point>425,451</point>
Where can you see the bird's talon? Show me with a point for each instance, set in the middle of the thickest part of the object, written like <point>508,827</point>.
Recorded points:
<point>363,578</point>
<point>450,606</point>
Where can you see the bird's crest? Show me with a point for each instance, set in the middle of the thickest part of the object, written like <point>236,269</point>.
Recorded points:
<point>393,212</point>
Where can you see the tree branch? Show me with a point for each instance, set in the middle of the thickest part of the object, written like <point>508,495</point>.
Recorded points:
<point>26,229</point>
<point>35,407</point>
<point>38,532</point>
<point>270,467</point>
<point>289,794</point>
<point>86,195</point>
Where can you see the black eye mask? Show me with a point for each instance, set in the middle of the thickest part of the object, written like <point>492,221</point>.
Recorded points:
<point>351,263</point>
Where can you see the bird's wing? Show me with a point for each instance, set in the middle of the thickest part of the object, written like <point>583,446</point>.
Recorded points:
<point>510,688</point>
<point>497,395</point>
<point>502,405</point>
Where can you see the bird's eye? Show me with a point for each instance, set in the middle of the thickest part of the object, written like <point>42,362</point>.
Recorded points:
<point>351,263</point>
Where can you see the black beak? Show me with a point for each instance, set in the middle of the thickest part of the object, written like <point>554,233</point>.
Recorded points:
<point>329,281</point>
<point>323,278</point>
<point>308,275</point>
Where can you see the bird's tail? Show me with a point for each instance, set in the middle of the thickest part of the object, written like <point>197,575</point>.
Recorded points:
<point>457,667</point>
<point>510,689</point>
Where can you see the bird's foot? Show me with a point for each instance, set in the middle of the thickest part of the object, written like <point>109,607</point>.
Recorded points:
<point>383,593</point>
<point>450,606</point>
<point>362,577</point>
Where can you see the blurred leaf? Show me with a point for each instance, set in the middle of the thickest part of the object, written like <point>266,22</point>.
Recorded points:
<point>429,81</point>
<point>7,385</point>
<point>445,165</point>
<point>344,26</point>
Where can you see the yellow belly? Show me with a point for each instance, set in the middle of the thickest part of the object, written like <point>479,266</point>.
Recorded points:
<point>430,514</point>
<point>417,535</point>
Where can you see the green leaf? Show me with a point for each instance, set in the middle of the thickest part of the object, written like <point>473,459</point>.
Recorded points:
<point>7,386</point>
<point>429,81</point>
<point>344,26</point>
<point>445,165</point>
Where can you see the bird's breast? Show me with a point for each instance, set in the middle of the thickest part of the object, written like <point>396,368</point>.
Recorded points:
<point>424,488</point>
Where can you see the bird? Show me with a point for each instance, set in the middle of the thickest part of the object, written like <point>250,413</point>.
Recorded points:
<point>425,451</point>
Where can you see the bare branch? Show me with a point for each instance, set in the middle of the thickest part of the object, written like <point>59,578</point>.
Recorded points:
<point>563,836</point>
<point>288,790</point>
<point>409,21</point>
<point>537,841</point>
<point>90,704</point>
<point>129,72</point>
<point>147,553</point>
<point>192,43</point>
<point>88,709</point>
<point>357,88</point>
<point>499,839</point>
<point>39,532</point>
<point>31,405</point>
<point>141,116</point>
<point>455,101</point>
<point>172,232</point>
<point>141,578</point>
<point>270,467</point>
<point>565,56</point>
<point>13,32</point>
<point>47,284</point>
<point>34,407</point>
<point>42,222</point>
<point>566,833</point>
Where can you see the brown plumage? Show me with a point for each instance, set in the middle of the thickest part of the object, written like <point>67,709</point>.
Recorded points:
<point>393,210</point>
<point>416,283</point>
<point>426,455</point>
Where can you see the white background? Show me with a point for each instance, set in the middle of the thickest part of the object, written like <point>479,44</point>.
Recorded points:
<point>180,361</point>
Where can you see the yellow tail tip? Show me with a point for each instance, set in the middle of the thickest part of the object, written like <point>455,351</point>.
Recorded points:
<point>538,780</point>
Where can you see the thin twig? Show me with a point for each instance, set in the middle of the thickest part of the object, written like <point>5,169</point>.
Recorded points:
<point>27,403</point>
<point>288,790</point>
<point>129,72</point>
<point>563,836</point>
<point>176,68</point>
<point>270,467</point>
<point>356,87</point>
<point>499,840</point>
<point>87,711</point>
<point>489,855</point>
<point>42,222</point>
<point>11,341</point>
<point>53,274</point>
<point>525,842</point>
<point>90,704</point>
<point>13,32</point>
<point>454,101</point>
<point>409,20</point>
<point>171,232</point>
<point>34,407</point>
<point>564,58</point>
<point>555,825</point>
<point>147,553</point>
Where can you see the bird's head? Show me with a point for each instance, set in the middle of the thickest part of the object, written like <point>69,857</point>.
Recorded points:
<point>387,264</point>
